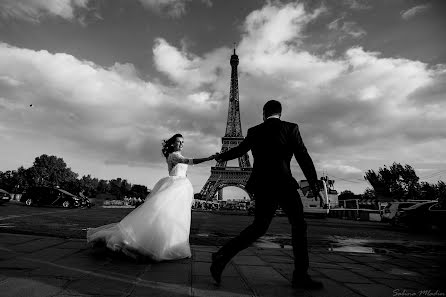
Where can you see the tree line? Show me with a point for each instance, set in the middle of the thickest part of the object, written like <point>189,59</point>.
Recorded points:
<point>53,171</point>
<point>398,182</point>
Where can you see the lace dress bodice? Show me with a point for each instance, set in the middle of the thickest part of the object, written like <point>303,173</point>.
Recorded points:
<point>177,164</point>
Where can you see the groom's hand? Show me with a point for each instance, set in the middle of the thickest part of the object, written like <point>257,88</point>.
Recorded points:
<point>316,192</point>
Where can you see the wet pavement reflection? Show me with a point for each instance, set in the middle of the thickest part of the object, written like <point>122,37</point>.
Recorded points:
<point>348,245</point>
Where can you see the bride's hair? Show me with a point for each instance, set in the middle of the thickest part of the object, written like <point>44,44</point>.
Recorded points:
<point>168,145</point>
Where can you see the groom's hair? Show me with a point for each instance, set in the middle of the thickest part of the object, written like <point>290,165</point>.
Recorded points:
<point>272,107</point>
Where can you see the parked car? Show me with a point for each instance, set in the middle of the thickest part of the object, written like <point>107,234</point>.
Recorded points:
<point>4,196</point>
<point>52,197</point>
<point>437,216</point>
<point>416,216</point>
<point>389,212</point>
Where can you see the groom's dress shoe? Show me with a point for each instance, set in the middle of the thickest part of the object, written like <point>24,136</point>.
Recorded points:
<point>306,283</point>
<point>217,267</point>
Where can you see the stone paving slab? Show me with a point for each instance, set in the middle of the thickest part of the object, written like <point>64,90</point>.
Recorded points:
<point>248,260</point>
<point>203,285</point>
<point>400,283</point>
<point>202,268</point>
<point>266,281</point>
<point>36,245</point>
<point>51,254</point>
<point>326,264</point>
<point>275,259</point>
<point>344,276</point>
<point>44,266</point>
<point>42,287</point>
<point>9,240</point>
<point>334,289</point>
<point>371,290</point>
<point>202,256</point>
<point>336,258</point>
<point>170,273</point>
<point>72,244</point>
<point>99,285</point>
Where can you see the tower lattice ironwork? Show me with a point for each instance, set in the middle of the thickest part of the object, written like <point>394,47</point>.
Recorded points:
<point>222,175</point>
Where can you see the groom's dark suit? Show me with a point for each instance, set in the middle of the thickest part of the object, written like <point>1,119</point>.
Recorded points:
<point>273,143</point>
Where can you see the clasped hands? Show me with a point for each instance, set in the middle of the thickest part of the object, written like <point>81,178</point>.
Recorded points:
<point>214,156</point>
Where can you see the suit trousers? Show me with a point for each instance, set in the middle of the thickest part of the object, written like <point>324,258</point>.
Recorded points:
<point>266,203</point>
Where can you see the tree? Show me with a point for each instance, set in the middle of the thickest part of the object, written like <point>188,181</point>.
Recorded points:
<point>71,185</point>
<point>103,187</point>
<point>346,195</point>
<point>369,194</point>
<point>115,187</point>
<point>14,181</point>
<point>139,191</point>
<point>89,185</point>
<point>441,194</point>
<point>6,181</point>
<point>51,171</point>
<point>428,191</point>
<point>396,181</point>
<point>125,188</point>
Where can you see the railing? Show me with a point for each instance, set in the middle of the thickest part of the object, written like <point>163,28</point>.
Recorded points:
<point>351,209</point>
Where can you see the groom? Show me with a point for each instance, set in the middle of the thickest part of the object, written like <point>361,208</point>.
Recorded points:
<point>273,143</point>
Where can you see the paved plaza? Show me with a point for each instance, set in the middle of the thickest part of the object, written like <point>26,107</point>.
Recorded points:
<point>49,266</point>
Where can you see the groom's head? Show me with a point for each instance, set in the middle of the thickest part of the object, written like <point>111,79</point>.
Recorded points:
<point>272,107</point>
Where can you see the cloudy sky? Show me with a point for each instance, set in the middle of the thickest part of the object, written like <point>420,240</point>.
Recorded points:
<point>108,80</point>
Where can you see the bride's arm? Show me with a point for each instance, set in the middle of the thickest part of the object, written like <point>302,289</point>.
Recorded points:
<point>180,159</point>
<point>201,160</point>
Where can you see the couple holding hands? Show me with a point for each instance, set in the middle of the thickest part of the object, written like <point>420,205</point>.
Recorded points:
<point>160,227</point>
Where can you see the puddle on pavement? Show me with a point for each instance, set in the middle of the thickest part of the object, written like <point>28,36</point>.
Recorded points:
<point>361,245</point>
<point>7,225</point>
<point>397,271</point>
<point>271,245</point>
<point>202,235</point>
<point>274,241</point>
<point>347,245</point>
<point>351,245</point>
<point>352,249</point>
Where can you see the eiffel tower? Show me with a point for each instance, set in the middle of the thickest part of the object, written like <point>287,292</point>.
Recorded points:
<point>221,175</point>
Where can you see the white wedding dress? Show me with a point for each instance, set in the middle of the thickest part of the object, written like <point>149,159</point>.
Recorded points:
<point>159,228</point>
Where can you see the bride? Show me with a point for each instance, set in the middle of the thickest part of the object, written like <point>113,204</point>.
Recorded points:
<point>159,228</point>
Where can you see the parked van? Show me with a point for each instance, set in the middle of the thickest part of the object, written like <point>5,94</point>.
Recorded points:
<point>314,205</point>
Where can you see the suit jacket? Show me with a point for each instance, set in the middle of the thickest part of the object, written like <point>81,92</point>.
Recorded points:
<point>273,143</point>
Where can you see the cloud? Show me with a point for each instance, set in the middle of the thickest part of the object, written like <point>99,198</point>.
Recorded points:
<point>358,110</point>
<point>34,10</point>
<point>181,67</point>
<point>191,72</point>
<point>349,28</point>
<point>433,93</point>
<point>360,100</point>
<point>109,113</point>
<point>349,107</point>
<point>172,8</point>
<point>269,47</point>
<point>412,12</point>
<point>357,4</point>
